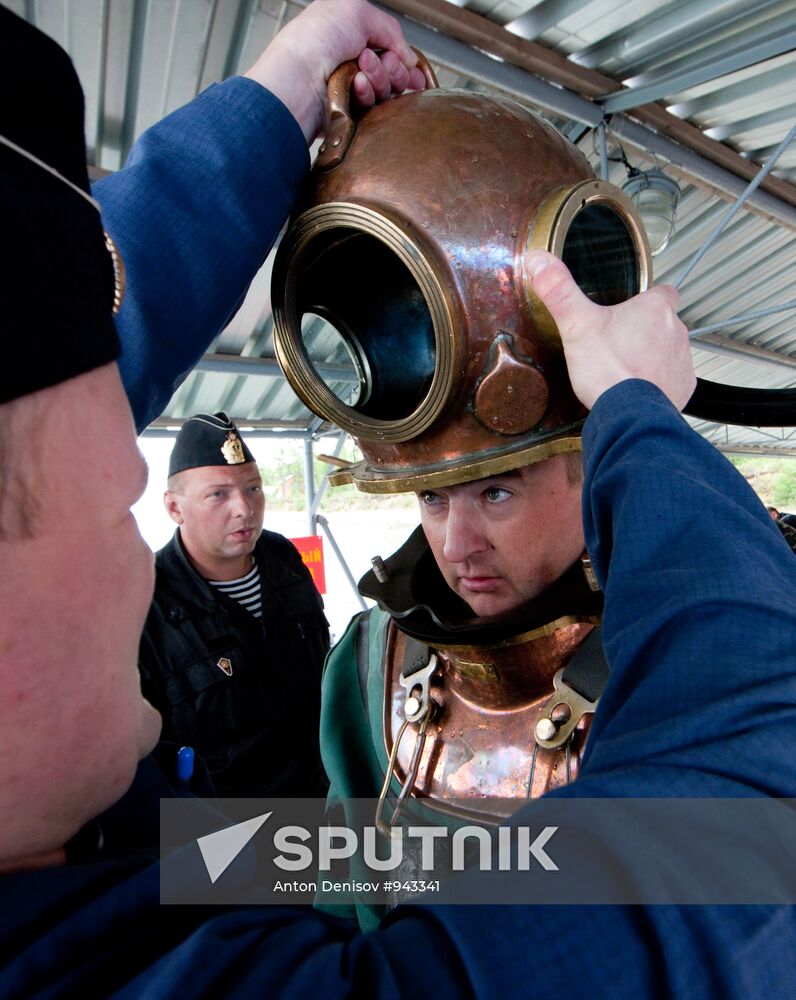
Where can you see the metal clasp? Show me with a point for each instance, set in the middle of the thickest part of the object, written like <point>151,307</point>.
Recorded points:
<point>561,714</point>
<point>419,710</point>
<point>418,687</point>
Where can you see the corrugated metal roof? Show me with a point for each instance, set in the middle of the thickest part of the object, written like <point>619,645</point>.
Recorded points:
<point>727,67</point>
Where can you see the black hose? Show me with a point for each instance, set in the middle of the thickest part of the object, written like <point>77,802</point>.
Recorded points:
<point>731,404</point>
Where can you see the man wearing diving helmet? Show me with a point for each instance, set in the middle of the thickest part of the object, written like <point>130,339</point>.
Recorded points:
<point>477,675</point>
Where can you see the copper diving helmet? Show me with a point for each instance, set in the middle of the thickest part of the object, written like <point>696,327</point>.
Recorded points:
<point>401,308</point>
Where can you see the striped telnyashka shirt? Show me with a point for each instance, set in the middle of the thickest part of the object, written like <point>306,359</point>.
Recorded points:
<point>245,590</point>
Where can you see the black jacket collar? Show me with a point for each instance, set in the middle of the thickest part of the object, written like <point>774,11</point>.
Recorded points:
<point>177,578</point>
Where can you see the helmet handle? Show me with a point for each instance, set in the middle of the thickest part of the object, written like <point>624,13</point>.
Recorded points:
<point>342,126</point>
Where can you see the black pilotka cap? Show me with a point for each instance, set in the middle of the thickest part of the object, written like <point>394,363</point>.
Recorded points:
<point>208,439</point>
<point>57,284</point>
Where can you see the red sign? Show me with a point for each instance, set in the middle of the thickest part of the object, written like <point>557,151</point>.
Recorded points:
<point>311,549</point>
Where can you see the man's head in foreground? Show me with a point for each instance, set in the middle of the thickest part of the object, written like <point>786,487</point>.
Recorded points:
<point>78,576</point>
<point>215,495</point>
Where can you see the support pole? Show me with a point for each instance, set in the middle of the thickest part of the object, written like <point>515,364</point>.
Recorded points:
<point>604,168</point>
<point>336,548</point>
<point>309,485</point>
<point>325,481</point>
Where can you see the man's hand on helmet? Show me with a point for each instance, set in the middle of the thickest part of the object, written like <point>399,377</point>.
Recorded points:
<point>604,345</point>
<point>299,61</point>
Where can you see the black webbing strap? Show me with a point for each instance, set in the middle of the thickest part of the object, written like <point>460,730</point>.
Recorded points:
<point>587,672</point>
<point>415,657</point>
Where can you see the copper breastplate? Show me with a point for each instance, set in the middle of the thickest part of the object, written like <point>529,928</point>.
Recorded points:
<point>480,745</point>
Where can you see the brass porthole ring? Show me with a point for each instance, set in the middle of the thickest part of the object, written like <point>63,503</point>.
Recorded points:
<point>552,223</point>
<point>290,350</point>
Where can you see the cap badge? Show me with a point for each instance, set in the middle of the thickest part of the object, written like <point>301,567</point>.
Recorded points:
<point>225,665</point>
<point>232,449</point>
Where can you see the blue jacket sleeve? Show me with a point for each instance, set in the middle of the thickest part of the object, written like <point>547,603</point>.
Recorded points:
<point>194,213</point>
<point>700,633</point>
<point>700,610</point>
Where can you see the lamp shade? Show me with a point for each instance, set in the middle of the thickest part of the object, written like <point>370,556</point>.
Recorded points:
<point>656,197</point>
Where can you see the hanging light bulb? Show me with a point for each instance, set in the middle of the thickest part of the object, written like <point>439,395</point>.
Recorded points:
<point>656,197</point>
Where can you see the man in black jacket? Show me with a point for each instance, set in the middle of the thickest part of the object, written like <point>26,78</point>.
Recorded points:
<point>236,637</point>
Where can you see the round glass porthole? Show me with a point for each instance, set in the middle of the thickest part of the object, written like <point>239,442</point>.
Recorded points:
<point>337,358</point>
<point>596,230</point>
<point>362,327</point>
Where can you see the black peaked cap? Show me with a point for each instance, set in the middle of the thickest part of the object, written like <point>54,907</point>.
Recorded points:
<point>208,439</point>
<point>57,285</point>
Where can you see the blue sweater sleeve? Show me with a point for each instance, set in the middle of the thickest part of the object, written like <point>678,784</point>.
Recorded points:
<point>700,609</point>
<point>700,633</point>
<point>194,213</point>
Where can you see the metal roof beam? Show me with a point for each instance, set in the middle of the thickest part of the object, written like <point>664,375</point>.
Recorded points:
<point>780,451</point>
<point>246,9</point>
<point>715,343</point>
<point>479,32</point>
<point>575,131</point>
<point>169,426</point>
<point>778,116</point>
<point>545,15</point>
<point>763,153</point>
<point>783,77</point>
<point>659,34</point>
<point>716,45</point>
<point>511,79</point>
<point>675,83</point>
